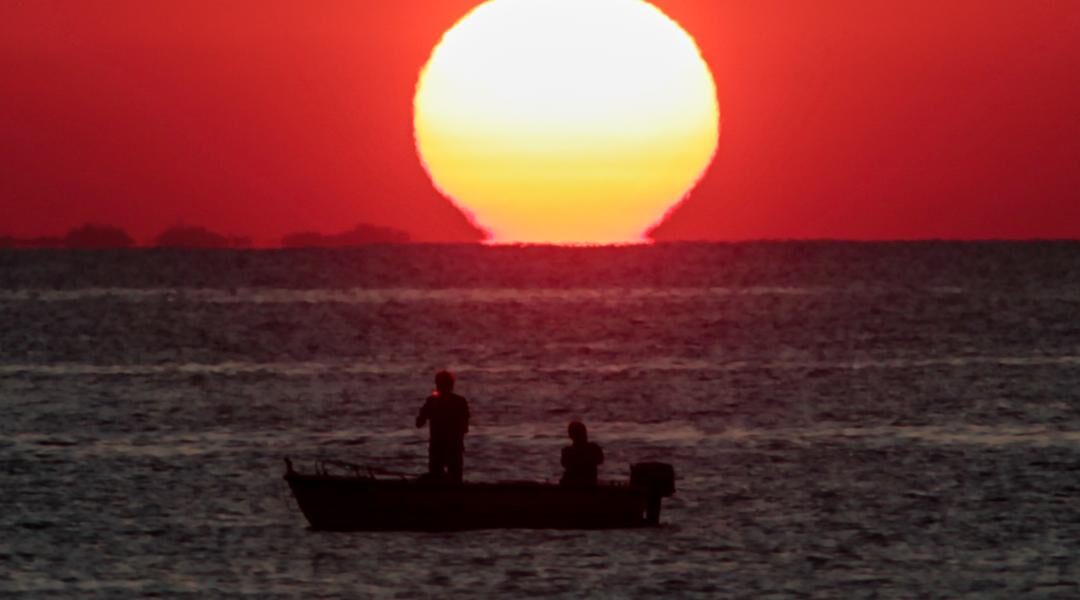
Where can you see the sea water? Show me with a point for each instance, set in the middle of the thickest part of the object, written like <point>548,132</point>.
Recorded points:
<point>846,420</point>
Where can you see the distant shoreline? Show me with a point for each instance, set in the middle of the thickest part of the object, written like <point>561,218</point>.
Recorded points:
<point>497,246</point>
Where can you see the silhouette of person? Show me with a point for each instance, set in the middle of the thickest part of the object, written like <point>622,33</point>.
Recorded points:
<point>581,458</point>
<point>449,417</point>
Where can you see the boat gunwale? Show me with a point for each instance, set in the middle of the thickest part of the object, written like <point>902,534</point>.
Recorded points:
<point>433,485</point>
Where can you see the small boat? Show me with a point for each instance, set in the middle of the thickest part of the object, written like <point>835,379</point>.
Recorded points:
<point>365,499</point>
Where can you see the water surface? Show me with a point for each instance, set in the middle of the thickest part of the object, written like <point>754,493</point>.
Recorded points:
<point>846,420</point>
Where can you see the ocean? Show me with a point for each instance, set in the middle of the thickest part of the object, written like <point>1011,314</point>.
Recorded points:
<point>846,420</point>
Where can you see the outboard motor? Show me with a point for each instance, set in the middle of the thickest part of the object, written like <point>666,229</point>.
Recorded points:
<point>658,481</point>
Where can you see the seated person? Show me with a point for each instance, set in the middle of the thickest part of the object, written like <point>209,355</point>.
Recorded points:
<point>581,458</point>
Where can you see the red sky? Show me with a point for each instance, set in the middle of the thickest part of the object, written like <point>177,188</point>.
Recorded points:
<point>855,119</point>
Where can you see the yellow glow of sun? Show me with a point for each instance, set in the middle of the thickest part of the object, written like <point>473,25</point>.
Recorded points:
<point>566,121</point>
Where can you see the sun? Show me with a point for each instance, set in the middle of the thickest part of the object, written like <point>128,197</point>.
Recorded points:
<point>566,121</point>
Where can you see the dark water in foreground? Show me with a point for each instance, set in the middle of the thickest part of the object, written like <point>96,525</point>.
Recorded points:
<point>847,421</point>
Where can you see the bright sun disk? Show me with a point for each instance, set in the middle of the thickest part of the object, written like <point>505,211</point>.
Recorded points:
<point>566,121</point>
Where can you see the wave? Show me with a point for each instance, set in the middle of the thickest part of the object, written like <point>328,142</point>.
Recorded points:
<point>534,435</point>
<point>383,295</point>
<point>303,369</point>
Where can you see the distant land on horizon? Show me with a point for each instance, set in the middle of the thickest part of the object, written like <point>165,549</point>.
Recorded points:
<point>360,235</point>
<point>98,236</point>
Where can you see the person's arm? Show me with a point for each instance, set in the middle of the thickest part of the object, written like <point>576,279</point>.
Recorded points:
<point>599,454</point>
<point>422,417</point>
<point>564,460</point>
<point>465,408</point>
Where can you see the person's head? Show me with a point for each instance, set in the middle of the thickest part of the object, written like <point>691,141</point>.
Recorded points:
<point>578,433</point>
<point>444,382</point>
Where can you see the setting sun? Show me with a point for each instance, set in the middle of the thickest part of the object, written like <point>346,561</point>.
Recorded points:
<point>566,121</point>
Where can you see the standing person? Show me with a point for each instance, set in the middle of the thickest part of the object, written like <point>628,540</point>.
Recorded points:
<point>449,417</point>
<point>581,458</point>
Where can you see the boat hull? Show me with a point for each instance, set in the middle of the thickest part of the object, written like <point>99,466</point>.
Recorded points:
<point>343,503</point>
